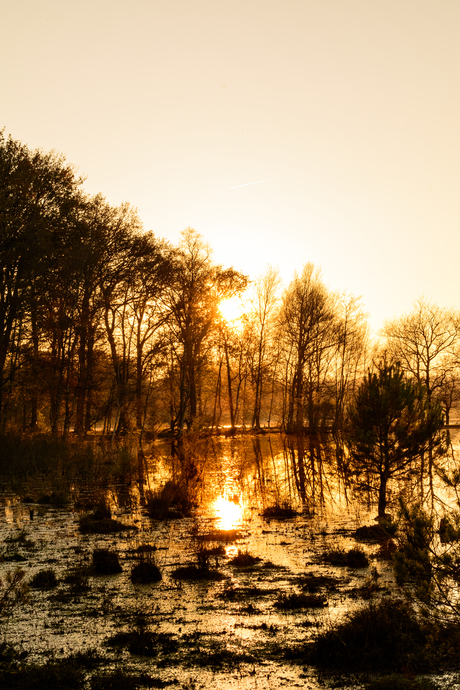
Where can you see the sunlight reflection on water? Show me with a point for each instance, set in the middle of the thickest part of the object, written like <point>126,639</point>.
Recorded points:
<point>228,512</point>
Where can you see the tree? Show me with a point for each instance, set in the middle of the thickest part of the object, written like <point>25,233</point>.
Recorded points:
<point>264,303</point>
<point>37,191</point>
<point>391,424</point>
<point>197,287</point>
<point>425,343</point>
<point>307,325</point>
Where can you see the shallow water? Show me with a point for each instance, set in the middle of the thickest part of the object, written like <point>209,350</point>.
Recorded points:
<point>227,634</point>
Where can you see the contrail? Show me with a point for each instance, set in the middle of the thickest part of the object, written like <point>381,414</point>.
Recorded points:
<point>248,183</point>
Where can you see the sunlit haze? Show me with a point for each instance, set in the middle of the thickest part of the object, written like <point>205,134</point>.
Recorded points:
<point>283,132</point>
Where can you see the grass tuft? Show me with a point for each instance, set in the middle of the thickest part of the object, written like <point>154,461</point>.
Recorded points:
<point>105,562</point>
<point>44,579</point>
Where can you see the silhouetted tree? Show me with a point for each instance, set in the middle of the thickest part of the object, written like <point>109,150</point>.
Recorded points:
<point>307,322</point>
<point>197,287</point>
<point>391,424</point>
<point>426,342</point>
<point>37,191</point>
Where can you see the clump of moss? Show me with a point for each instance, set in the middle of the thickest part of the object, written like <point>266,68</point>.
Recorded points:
<point>44,579</point>
<point>105,562</point>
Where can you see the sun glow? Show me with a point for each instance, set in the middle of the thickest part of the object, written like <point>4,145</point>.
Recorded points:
<point>229,513</point>
<point>231,309</point>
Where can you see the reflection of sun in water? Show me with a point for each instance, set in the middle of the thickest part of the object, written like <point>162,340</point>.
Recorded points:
<point>228,513</point>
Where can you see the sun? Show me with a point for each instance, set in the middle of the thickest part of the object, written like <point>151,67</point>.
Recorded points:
<point>231,308</point>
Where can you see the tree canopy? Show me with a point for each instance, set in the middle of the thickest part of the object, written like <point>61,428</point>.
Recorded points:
<point>391,424</point>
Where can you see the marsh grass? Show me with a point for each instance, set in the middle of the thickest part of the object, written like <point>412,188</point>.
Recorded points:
<point>204,569</point>
<point>171,502</point>
<point>55,675</point>
<point>100,521</point>
<point>313,583</point>
<point>376,533</point>
<point>140,640</point>
<point>145,570</point>
<point>225,535</point>
<point>44,579</point>
<point>78,580</point>
<point>105,562</point>
<point>244,559</point>
<point>20,539</point>
<point>289,602</point>
<point>120,680</point>
<point>353,558</point>
<point>279,512</point>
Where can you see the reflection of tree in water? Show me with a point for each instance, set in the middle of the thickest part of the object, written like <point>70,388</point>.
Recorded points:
<point>259,471</point>
<point>314,473</point>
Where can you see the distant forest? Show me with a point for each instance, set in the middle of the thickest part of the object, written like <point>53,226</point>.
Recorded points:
<point>104,326</point>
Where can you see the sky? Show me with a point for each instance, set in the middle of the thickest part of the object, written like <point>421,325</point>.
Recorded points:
<point>345,113</point>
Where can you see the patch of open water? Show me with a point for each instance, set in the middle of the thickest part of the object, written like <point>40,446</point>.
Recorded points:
<point>224,634</point>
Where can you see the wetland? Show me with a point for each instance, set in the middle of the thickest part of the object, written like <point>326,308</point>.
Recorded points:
<point>213,563</point>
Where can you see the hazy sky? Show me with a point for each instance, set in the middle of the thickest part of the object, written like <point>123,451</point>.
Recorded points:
<point>349,110</point>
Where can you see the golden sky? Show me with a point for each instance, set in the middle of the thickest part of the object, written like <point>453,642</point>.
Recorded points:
<point>349,111</point>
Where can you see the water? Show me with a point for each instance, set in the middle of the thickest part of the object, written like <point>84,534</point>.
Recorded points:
<point>229,633</point>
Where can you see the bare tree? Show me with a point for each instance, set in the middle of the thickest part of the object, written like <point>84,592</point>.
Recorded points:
<point>193,297</point>
<point>262,318</point>
<point>425,343</point>
<point>306,324</point>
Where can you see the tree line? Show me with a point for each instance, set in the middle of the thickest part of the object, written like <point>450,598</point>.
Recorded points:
<point>105,326</point>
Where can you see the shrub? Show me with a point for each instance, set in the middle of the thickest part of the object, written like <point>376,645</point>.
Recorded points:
<point>380,637</point>
<point>105,562</point>
<point>13,591</point>
<point>145,570</point>
<point>44,579</point>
